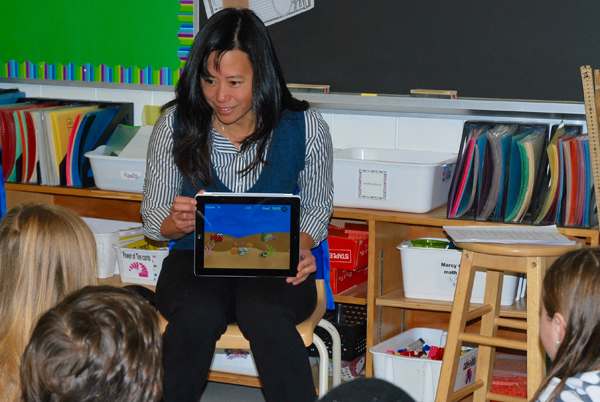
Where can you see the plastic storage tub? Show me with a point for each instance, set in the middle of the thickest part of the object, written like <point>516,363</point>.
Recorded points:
<point>236,361</point>
<point>419,377</point>
<point>397,180</point>
<point>115,173</point>
<point>431,273</point>
<point>107,233</point>
<point>139,265</point>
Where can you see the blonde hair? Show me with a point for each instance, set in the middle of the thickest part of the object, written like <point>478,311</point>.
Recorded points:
<point>46,252</point>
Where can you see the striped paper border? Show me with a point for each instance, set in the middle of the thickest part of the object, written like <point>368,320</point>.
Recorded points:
<point>112,74</point>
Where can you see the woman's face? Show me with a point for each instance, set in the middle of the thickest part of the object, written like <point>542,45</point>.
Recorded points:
<point>229,90</point>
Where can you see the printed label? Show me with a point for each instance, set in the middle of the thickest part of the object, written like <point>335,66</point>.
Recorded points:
<point>372,184</point>
<point>340,255</point>
<point>125,175</point>
<point>447,275</point>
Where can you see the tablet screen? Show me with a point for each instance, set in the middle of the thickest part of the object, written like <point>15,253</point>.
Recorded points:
<point>247,234</point>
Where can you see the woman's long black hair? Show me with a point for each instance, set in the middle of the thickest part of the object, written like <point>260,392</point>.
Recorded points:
<point>229,29</point>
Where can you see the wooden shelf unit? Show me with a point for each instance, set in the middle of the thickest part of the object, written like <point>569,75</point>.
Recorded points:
<point>389,312</point>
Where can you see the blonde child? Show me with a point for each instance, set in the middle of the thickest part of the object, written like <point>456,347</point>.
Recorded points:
<point>46,252</point>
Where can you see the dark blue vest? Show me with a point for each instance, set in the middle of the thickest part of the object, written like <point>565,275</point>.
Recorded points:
<point>285,161</point>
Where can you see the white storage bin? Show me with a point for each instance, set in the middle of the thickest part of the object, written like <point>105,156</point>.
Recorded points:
<point>238,361</point>
<point>418,377</point>
<point>397,180</point>
<point>138,265</point>
<point>107,233</point>
<point>431,273</point>
<point>115,173</point>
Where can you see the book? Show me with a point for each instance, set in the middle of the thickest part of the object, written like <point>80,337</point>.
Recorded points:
<point>530,151</point>
<point>461,191</point>
<point>493,172</point>
<point>551,196</point>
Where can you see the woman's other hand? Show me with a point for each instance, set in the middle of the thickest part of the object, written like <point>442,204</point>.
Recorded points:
<point>181,220</point>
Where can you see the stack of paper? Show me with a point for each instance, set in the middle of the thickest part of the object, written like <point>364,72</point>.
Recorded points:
<point>507,234</point>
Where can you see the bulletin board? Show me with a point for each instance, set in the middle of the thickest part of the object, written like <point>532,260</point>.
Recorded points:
<point>111,41</point>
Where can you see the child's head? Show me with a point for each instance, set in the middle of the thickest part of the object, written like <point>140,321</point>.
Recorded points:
<point>46,252</point>
<point>100,343</point>
<point>570,317</point>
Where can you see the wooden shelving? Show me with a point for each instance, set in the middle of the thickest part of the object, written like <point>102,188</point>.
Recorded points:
<point>388,310</point>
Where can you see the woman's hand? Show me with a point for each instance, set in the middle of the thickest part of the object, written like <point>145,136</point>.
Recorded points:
<point>307,266</point>
<point>181,220</point>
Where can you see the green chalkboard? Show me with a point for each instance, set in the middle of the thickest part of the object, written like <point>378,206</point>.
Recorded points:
<point>125,41</point>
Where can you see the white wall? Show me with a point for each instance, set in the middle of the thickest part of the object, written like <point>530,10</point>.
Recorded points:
<point>138,97</point>
<point>414,130</point>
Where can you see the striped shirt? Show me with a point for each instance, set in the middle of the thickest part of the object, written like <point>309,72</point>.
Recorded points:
<point>164,182</point>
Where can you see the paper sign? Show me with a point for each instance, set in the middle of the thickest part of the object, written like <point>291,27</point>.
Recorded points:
<point>269,11</point>
<point>372,184</point>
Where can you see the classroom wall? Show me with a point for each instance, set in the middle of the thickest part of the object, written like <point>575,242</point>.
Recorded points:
<point>349,128</point>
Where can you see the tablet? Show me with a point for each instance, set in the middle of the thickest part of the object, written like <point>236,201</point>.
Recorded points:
<point>247,235</point>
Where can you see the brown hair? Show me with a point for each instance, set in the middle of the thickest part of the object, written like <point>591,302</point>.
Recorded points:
<point>572,288</point>
<point>46,252</point>
<point>100,343</point>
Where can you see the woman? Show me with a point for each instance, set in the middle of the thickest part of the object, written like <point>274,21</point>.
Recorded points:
<point>46,252</point>
<point>234,126</point>
<point>570,328</point>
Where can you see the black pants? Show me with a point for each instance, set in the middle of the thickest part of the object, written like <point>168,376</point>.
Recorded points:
<point>267,311</point>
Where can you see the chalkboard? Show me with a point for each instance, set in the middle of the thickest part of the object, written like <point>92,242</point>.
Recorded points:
<point>483,49</point>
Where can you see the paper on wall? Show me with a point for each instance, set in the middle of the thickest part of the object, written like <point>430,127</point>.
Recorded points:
<point>269,11</point>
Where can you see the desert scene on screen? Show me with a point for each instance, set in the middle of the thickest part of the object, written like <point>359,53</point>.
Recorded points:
<point>257,251</point>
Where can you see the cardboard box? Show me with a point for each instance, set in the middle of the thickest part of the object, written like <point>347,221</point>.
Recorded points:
<point>348,246</point>
<point>418,377</point>
<point>343,279</point>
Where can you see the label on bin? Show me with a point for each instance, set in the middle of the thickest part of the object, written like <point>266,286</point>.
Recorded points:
<point>372,184</point>
<point>125,175</point>
<point>449,274</point>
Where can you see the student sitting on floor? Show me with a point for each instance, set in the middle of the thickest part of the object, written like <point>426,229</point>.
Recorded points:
<point>570,328</point>
<point>100,343</point>
<point>46,252</point>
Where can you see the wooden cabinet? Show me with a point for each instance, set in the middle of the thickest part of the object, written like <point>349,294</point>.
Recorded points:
<point>388,311</point>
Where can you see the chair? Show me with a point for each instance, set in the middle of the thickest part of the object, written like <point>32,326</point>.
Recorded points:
<point>494,259</point>
<point>234,339</point>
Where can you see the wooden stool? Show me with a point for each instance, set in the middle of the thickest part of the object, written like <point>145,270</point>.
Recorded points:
<point>531,260</point>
